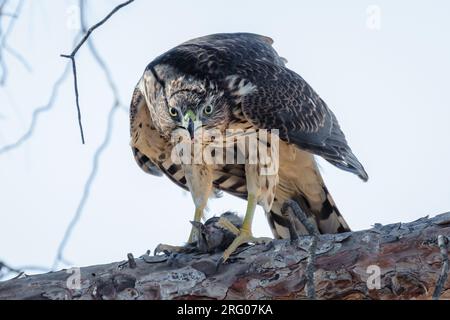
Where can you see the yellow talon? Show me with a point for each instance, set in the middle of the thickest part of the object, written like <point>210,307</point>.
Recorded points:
<point>244,236</point>
<point>166,248</point>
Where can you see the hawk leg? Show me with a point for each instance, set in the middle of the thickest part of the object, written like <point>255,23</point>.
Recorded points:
<point>245,233</point>
<point>198,215</point>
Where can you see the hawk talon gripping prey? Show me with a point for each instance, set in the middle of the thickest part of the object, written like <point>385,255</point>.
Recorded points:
<point>238,83</point>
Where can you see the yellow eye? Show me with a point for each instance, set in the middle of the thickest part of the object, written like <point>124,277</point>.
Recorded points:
<point>208,109</point>
<point>173,112</point>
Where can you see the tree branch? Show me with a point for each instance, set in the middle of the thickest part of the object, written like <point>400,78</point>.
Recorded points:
<point>86,192</point>
<point>36,113</point>
<point>6,269</point>
<point>408,257</point>
<point>72,55</point>
<point>4,47</point>
<point>116,104</point>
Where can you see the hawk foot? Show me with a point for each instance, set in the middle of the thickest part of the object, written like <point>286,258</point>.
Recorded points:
<point>167,249</point>
<point>244,236</point>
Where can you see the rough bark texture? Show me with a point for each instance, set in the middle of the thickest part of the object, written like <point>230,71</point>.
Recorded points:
<point>408,255</point>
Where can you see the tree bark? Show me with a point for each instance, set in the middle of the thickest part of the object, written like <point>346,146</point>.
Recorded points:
<point>411,260</point>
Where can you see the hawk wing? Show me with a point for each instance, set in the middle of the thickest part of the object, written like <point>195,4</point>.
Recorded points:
<point>139,123</point>
<point>283,100</point>
<point>280,98</point>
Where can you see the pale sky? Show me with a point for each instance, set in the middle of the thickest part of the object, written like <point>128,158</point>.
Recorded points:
<point>383,70</point>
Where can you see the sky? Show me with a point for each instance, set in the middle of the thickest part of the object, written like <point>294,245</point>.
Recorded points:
<point>382,66</point>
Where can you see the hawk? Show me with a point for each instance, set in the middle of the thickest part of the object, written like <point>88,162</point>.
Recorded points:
<point>236,82</point>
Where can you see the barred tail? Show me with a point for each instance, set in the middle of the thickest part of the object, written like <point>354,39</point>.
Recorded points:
<point>324,218</point>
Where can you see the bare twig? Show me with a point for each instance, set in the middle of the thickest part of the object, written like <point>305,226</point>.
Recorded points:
<point>18,271</point>
<point>72,55</point>
<point>36,113</point>
<point>116,104</point>
<point>2,61</point>
<point>8,14</point>
<point>3,13</point>
<point>131,261</point>
<point>16,54</point>
<point>87,188</point>
<point>43,109</point>
<point>312,230</point>
<point>97,56</point>
<point>4,43</point>
<point>442,243</point>
<point>4,266</point>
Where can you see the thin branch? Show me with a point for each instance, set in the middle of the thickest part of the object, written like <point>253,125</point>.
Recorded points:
<point>116,104</point>
<point>16,54</point>
<point>9,15</point>
<point>96,55</point>
<point>72,55</point>
<point>6,48</point>
<point>87,189</point>
<point>4,266</point>
<point>3,13</point>
<point>442,244</point>
<point>98,24</point>
<point>77,98</point>
<point>36,113</point>
<point>19,271</point>
<point>2,62</point>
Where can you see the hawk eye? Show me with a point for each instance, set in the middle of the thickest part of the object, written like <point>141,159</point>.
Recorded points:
<point>173,112</point>
<point>208,109</point>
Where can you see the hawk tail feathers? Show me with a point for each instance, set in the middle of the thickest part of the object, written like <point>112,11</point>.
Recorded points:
<point>329,219</point>
<point>296,217</point>
<point>350,164</point>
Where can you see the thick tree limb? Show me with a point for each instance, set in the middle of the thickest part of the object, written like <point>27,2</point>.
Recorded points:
<point>408,257</point>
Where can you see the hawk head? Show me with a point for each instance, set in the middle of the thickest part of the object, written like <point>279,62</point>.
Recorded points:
<point>187,104</point>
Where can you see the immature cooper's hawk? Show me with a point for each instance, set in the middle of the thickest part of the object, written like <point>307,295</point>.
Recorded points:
<point>238,81</point>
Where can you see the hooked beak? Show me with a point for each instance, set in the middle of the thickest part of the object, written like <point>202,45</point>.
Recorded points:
<point>189,122</point>
<point>191,128</point>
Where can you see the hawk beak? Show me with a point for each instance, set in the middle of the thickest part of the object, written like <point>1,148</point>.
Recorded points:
<point>191,128</point>
<point>189,122</point>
